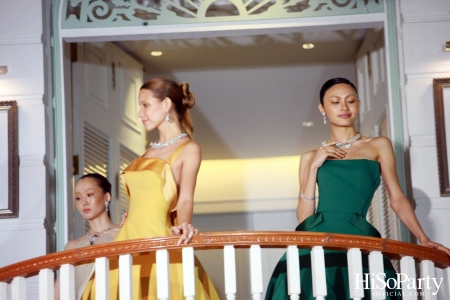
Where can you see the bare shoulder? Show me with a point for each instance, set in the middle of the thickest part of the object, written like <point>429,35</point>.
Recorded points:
<point>308,155</point>
<point>380,142</point>
<point>192,149</point>
<point>72,244</point>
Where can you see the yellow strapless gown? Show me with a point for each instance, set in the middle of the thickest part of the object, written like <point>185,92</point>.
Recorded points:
<point>153,195</point>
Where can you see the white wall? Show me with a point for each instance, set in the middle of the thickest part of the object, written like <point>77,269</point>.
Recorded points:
<point>424,28</point>
<point>21,49</point>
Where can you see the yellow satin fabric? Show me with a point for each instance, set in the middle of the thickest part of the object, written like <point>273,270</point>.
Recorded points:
<point>153,195</point>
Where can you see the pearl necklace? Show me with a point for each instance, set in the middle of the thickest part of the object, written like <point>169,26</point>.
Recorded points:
<point>93,238</point>
<point>348,143</point>
<point>157,145</point>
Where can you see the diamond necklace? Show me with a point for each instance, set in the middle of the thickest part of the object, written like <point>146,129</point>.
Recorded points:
<point>93,238</point>
<point>157,145</point>
<point>348,143</point>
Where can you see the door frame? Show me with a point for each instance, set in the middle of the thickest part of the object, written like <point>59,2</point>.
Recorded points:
<point>61,81</point>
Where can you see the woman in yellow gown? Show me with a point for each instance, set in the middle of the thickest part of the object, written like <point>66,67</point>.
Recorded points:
<point>159,182</point>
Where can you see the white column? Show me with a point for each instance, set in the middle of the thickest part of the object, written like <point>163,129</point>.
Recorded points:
<point>376,269</point>
<point>162,275</point>
<point>102,278</point>
<point>46,285</point>
<point>3,291</point>
<point>355,274</point>
<point>256,272</point>
<point>446,283</point>
<point>408,274</point>
<point>188,273</point>
<point>19,288</point>
<point>318,272</point>
<point>125,277</point>
<point>293,272</point>
<point>67,282</point>
<point>229,266</point>
<point>426,274</point>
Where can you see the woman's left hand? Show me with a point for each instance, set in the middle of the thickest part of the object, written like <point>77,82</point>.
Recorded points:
<point>187,231</point>
<point>430,244</point>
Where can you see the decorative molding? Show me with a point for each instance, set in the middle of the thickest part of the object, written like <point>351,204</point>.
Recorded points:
<point>31,160</point>
<point>28,99</point>
<point>217,240</point>
<point>426,17</point>
<point>101,13</point>
<point>428,77</point>
<point>433,203</point>
<point>21,224</point>
<point>19,39</point>
<point>423,141</point>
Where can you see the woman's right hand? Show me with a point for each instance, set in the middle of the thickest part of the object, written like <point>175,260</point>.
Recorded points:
<point>325,151</point>
<point>186,230</point>
<point>124,218</point>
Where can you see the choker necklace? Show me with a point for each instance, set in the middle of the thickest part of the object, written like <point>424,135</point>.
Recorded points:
<point>348,143</point>
<point>93,238</point>
<point>157,145</point>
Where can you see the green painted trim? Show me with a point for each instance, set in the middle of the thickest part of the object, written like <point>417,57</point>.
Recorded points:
<point>396,104</point>
<point>58,121</point>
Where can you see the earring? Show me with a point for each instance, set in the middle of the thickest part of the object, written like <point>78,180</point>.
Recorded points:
<point>167,117</point>
<point>106,206</point>
<point>357,120</point>
<point>324,118</point>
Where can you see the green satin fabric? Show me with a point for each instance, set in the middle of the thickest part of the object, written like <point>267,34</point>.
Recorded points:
<point>346,189</point>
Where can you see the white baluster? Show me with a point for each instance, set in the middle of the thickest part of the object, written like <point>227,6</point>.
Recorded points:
<point>3,291</point>
<point>355,274</point>
<point>427,284</point>
<point>446,283</point>
<point>408,275</point>
<point>293,272</point>
<point>229,261</point>
<point>162,275</point>
<point>19,288</point>
<point>125,277</point>
<point>188,273</point>
<point>256,272</point>
<point>102,278</point>
<point>376,269</point>
<point>67,282</point>
<point>318,273</point>
<point>46,285</point>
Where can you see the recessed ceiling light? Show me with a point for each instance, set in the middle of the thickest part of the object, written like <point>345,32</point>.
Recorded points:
<point>308,46</point>
<point>156,53</point>
<point>308,124</point>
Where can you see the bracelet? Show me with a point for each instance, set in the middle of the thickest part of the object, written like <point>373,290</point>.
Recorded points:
<point>306,198</point>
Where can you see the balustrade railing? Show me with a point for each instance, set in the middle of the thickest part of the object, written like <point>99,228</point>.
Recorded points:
<point>409,254</point>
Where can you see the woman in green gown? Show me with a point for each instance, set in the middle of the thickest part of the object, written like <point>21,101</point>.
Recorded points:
<point>347,171</point>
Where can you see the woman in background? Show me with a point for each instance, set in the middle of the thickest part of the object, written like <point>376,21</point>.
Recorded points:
<point>159,183</point>
<point>347,170</point>
<point>92,198</point>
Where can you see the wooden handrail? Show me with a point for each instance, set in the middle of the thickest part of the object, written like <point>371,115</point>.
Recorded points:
<point>217,240</point>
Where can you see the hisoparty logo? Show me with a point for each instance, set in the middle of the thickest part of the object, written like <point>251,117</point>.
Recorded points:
<point>379,281</point>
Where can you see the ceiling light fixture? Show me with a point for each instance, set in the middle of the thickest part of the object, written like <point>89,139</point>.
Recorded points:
<point>308,46</point>
<point>308,124</point>
<point>156,53</point>
<point>447,46</point>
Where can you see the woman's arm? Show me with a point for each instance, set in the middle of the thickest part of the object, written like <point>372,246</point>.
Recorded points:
<point>398,202</point>
<point>190,164</point>
<point>310,163</point>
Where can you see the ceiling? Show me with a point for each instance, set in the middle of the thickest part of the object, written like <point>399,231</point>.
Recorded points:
<point>254,92</point>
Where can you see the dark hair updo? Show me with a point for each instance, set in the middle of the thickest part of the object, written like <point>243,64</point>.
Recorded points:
<point>102,182</point>
<point>180,95</point>
<point>333,81</point>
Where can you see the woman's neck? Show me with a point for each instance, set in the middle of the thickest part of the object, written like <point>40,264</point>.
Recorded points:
<point>102,222</point>
<point>342,133</point>
<point>169,132</point>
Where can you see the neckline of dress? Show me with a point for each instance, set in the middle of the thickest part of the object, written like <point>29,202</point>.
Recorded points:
<point>366,159</point>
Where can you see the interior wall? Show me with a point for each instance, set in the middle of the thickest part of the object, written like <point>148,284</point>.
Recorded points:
<point>423,28</point>
<point>22,51</point>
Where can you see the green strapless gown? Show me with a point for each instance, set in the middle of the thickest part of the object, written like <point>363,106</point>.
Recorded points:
<point>346,188</point>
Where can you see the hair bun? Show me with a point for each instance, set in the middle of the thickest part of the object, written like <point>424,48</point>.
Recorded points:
<point>188,98</point>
